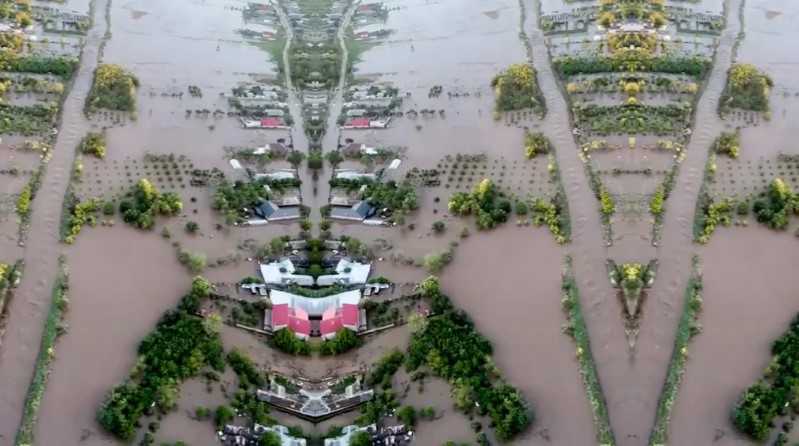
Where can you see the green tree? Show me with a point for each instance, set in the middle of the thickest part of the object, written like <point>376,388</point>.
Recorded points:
<point>295,158</point>
<point>223,415</point>
<point>360,439</point>
<point>269,439</point>
<point>192,226</point>
<point>407,415</point>
<point>438,227</point>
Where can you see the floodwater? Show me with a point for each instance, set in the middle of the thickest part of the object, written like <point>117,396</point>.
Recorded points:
<point>739,322</point>
<point>100,348</point>
<point>517,305</point>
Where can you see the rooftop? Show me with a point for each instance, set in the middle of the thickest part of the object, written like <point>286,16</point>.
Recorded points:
<point>347,273</point>
<point>282,273</point>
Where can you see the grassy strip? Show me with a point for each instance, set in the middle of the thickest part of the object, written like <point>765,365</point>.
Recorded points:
<point>685,331</point>
<point>576,328</point>
<point>25,202</point>
<point>10,275</point>
<point>70,197</point>
<point>52,328</point>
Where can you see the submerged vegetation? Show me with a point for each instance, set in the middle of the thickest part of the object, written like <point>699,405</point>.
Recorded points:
<point>774,394</point>
<point>140,207</point>
<point>576,328</point>
<point>113,88</point>
<point>776,205</point>
<point>485,202</point>
<point>747,88</point>
<point>727,144</point>
<point>517,88</point>
<point>451,347</point>
<point>181,345</point>
<point>687,328</point>
<point>93,144</point>
<point>53,327</point>
<point>536,143</point>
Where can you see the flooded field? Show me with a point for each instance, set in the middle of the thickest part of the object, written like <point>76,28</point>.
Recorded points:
<point>289,131</point>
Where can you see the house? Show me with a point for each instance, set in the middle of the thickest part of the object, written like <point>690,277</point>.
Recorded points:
<point>352,175</point>
<point>347,273</point>
<point>282,273</point>
<point>314,316</point>
<point>271,211</point>
<point>357,212</point>
<point>359,123</point>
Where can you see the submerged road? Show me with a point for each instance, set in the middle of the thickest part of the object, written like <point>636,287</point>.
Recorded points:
<point>668,292</point>
<point>632,380</point>
<point>28,310</point>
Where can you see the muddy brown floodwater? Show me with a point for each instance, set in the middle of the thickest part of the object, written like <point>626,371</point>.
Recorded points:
<point>748,298</point>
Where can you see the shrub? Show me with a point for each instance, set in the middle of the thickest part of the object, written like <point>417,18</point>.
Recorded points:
<point>742,208</point>
<point>93,144</point>
<point>727,144</point>
<point>438,227</point>
<point>747,88</point>
<point>535,144</point>
<point>145,202</point>
<point>517,88</point>
<point>192,226</point>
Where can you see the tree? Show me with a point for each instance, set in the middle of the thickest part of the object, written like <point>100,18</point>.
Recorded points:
<point>192,226</point>
<point>315,160</point>
<point>438,227</point>
<point>429,286</point>
<point>295,158</point>
<point>334,158</point>
<point>407,415</point>
<point>223,415</point>
<point>270,439</point>
<point>360,439</point>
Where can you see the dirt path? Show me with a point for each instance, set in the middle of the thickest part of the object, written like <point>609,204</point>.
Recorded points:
<point>602,312</point>
<point>656,338</point>
<point>29,308</point>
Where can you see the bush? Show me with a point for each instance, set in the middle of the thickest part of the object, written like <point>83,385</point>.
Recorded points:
<point>192,226</point>
<point>483,202</point>
<point>438,227</point>
<point>742,208</point>
<point>407,415</point>
<point>727,144</point>
<point>536,144</point>
<point>286,341</point>
<point>315,160</point>
<point>93,144</point>
<point>344,341</point>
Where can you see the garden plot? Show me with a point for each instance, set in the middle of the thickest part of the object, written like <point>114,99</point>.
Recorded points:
<point>746,179</point>
<point>516,178</point>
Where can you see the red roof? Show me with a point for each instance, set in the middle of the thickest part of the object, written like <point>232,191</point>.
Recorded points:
<point>350,315</point>
<point>366,7</point>
<point>270,122</point>
<point>301,326</point>
<point>360,122</point>
<point>280,315</point>
<point>331,326</point>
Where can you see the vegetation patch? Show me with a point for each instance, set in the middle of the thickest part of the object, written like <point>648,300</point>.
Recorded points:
<point>747,89</point>
<point>685,331</point>
<point>27,120</point>
<point>576,328</point>
<point>181,345</point>
<point>727,144</point>
<point>53,327</point>
<point>140,207</point>
<point>776,205</point>
<point>517,89</point>
<point>632,62</point>
<point>632,118</point>
<point>451,347</point>
<point>287,341</point>
<point>113,88</point>
<point>93,144</point>
<point>536,143</point>
<point>775,393</point>
<point>484,202</point>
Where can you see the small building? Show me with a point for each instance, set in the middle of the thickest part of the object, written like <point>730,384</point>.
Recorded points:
<point>347,273</point>
<point>352,175</point>
<point>359,123</point>
<point>282,273</point>
<point>277,176</point>
<point>271,211</point>
<point>314,316</point>
<point>360,211</point>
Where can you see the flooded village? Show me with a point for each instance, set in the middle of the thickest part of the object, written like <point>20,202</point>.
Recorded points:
<point>448,222</point>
